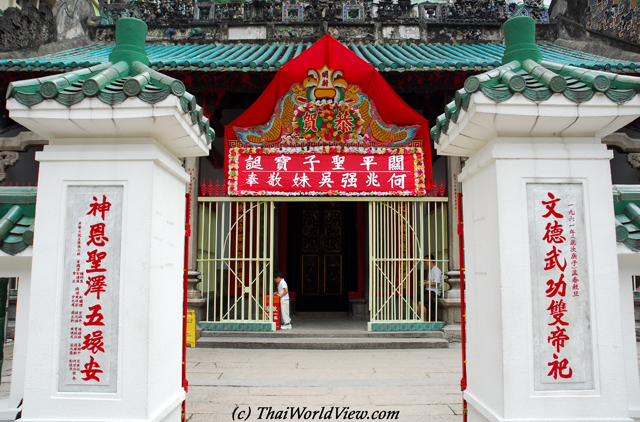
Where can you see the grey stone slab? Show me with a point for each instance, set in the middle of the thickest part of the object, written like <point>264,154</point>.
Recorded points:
<point>298,375</point>
<point>191,417</point>
<point>209,408</point>
<point>448,375</point>
<point>394,376</point>
<point>198,398</point>
<point>455,382</point>
<point>419,410</point>
<point>222,379</point>
<point>353,400</point>
<point>423,390</point>
<point>315,343</point>
<point>411,399</point>
<point>275,366</point>
<point>295,391</point>
<point>432,418</point>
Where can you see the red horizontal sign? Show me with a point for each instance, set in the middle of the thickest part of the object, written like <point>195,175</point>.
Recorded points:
<point>326,171</point>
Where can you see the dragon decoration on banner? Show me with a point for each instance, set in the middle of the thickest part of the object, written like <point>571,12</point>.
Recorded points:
<point>326,110</point>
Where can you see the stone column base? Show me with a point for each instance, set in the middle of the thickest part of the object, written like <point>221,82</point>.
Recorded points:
<point>636,308</point>
<point>451,310</point>
<point>195,300</point>
<point>452,333</point>
<point>358,308</point>
<point>451,300</point>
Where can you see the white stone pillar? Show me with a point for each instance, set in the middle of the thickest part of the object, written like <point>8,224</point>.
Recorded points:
<point>451,300</point>
<point>546,335</point>
<point>195,300</point>
<point>107,285</point>
<point>18,266</point>
<point>145,369</point>
<point>192,167</point>
<point>502,291</point>
<point>628,264</point>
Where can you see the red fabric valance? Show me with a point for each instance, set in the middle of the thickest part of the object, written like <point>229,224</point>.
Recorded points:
<point>330,52</point>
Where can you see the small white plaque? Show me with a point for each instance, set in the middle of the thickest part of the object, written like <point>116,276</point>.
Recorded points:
<point>409,32</point>
<point>248,33</point>
<point>562,349</point>
<point>89,329</point>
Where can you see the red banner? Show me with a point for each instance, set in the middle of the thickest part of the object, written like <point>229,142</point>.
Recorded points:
<point>348,69</point>
<point>323,171</point>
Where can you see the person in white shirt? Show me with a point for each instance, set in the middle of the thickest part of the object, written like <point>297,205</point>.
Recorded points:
<point>283,293</point>
<point>432,288</point>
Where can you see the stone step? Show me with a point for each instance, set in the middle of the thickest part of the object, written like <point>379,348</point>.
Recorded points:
<point>321,343</point>
<point>325,334</point>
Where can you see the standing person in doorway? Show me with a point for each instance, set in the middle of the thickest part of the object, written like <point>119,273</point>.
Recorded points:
<point>432,288</point>
<point>283,292</point>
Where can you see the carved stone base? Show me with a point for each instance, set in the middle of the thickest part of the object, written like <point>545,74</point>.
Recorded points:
<point>451,300</point>
<point>452,333</point>
<point>636,304</point>
<point>195,300</point>
<point>359,308</point>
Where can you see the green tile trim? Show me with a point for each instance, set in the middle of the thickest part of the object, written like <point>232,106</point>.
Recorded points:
<point>18,195</point>
<point>580,95</point>
<point>624,193</point>
<point>112,85</point>
<point>406,326</point>
<point>236,326</point>
<point>497,93</point>
<point>626,204</point>
<point>257,57</point>
<point>17,211</point>
<point>537,95</point>
<point>537,83</point>
<point>620,96</point>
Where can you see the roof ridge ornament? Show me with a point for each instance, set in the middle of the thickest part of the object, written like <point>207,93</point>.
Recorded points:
<point>131,37</point>
<point>520,39</point>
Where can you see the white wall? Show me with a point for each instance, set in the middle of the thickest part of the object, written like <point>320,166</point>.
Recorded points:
<point>18,266</point>
<point>628,266</point>
<point>500,290</point>
<point>150,331</point>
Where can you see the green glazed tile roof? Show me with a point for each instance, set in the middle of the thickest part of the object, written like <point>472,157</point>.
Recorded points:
<point>537,82</point>
<point>529,70</point>
<point>17,212</point>
<point>270,57</point>
<point>122,73</point>
<point>626,204</point>
<point>111,83</point>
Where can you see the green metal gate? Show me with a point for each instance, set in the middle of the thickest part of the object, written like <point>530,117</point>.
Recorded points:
<point>235,258</point>
<point>236,249</point>
<point>402,235</point>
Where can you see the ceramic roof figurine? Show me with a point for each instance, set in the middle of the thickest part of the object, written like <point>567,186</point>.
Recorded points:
<point>126,74</point>
<point>525,72</point>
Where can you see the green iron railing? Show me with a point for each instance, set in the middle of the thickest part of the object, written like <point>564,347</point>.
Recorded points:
<point>236,249</point>
<point>403,235</point>
<point>235,258</point>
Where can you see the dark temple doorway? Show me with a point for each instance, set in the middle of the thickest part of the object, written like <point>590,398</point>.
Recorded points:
<point>322,254</point>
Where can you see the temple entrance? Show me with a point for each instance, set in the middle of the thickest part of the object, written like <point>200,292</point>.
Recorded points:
<point>322,254</point>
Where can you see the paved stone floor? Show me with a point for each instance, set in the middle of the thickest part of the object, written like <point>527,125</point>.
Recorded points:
<point>422,385</point>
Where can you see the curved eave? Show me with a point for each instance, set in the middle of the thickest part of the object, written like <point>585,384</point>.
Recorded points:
<point>111,84</point>
<point>517,88</point>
